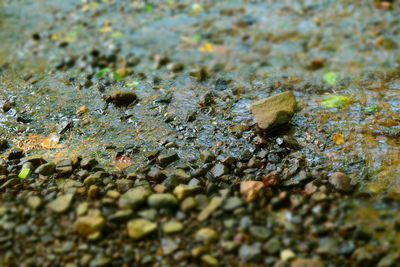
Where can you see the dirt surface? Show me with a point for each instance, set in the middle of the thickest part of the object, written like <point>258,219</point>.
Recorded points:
<point>102,98</point>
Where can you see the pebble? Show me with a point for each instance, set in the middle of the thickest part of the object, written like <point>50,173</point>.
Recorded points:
<point>232,203</point>
<point>88,163</point>
<point>93,191</point>
<point>247,252</point>
<point>95,178</point>
<point>287,255</point>
<point>209,260</point>
<point>189,204</point>
<point>164,200</point>
<point>206,235</point>
<point>302,262</point>
<point>206,156</point>
<point>251,189</point>
<point>272,246</point>
<point>168,245</point>
<point>139,228</point>
<point>341,182</point>
<point>34,202</point>
<point>214,204</point>
<point>260,232</point>
<point>275,110</point>
<point>183,191</point>
<point>121,215</point>
<point>177,176</point>
<point>10,183</point>
<point>172,227</point>
<point>82,208</point>
<point>219,169</point>
<point>61,203</point>
<point>134,197</point>
<point>90,224</point>
<point>389,260</point>
<point>148,214</point>
<point>165,159</point>
<point>229,246</point>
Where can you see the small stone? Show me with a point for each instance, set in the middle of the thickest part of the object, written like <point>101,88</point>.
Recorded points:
<point>232,203</point>
<point>219,169</point>
<point>172,227</point>
<point>140,228</point>
<point>164,200</point>
<point>94,236</point>
<point>206,156</point>
<point>274,111</point>
<point>251,189</point>
<point>177,176</point>
<point>124,184</point>
<point>82,174</point>
<point>61,203</point>
<point>188,204</point>
<point>93,191</point>
<point>389,260</point>
<point>123,98</point>
<point>206,235</point>
<point>88,163</point>
<point>287,255</point>
<point>214,204</point>
<point>148,214</point>
<point>198,251</point>
<point>271,178</point>
<point>167,158</point>
<point>113,194</point>
<point>169,245</point>
<point>90,224</point>
<point>209,260</point>
<point>301,262</point>
<point>229,246</point>
<point>182,191</point>
<point>272,246</point>
<point>95,178</point>
<point>134,197</point>
<point>247,252</point>
<point>260,232</point>
<point>65,170</point>
<point>156,175</point>
<point>82,208</point>
<point>10,183</point>
<point>34,202</point>
<point>341,182</point>
<point>121,215</point>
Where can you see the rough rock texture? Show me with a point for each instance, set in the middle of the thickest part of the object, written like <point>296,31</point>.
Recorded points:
<point>274,111</point>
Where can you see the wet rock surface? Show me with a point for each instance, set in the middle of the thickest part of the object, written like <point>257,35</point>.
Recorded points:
<point>126,137</point>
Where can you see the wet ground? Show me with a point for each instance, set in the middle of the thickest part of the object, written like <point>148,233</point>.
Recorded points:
<point>195,67</point>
